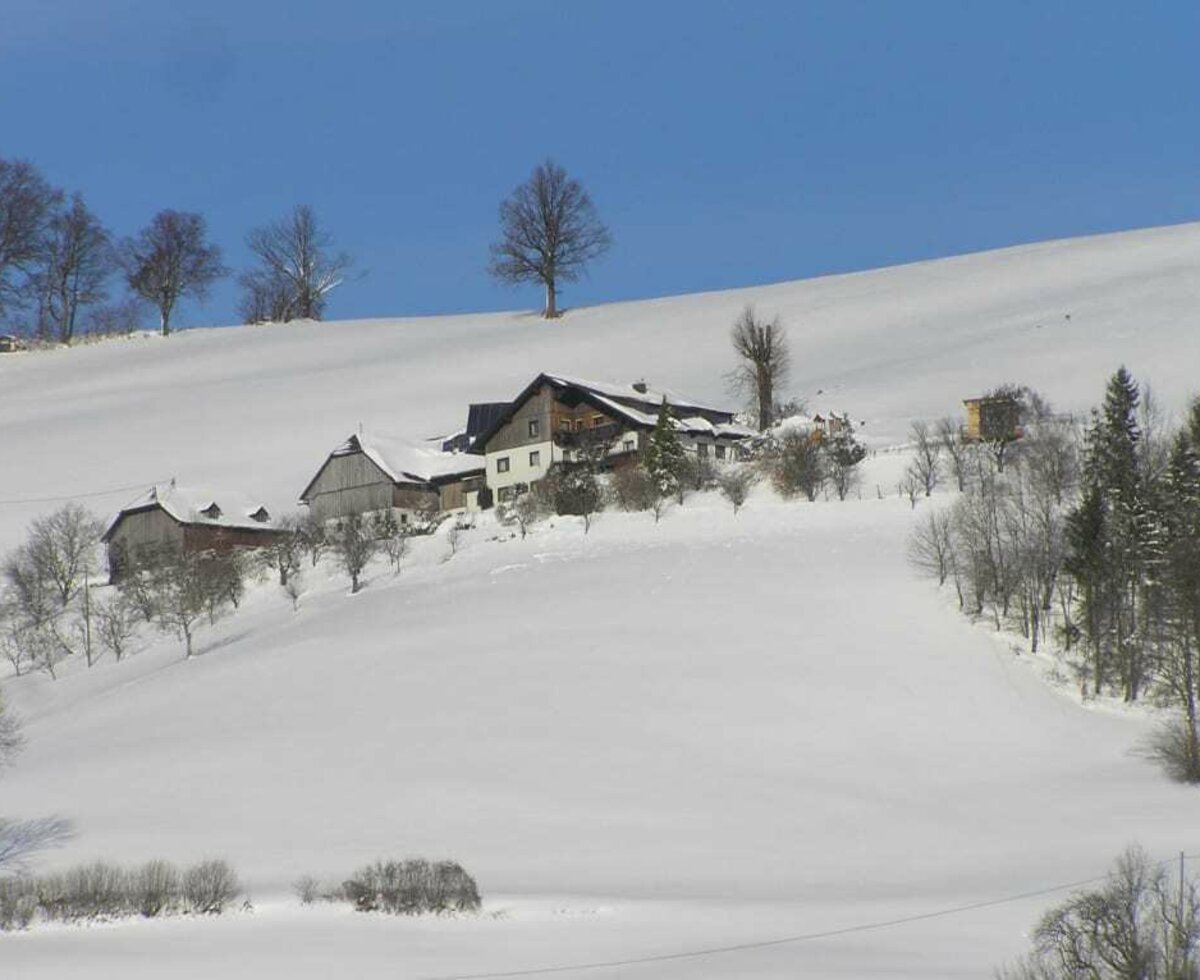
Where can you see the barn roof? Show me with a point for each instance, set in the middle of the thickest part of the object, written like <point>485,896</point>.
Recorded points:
<point>403,462</point>
<point>199,506</point>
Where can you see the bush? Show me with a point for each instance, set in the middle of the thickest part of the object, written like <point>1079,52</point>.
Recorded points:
<point>18,903</point>
<point>307,889</point>
<point>633,489</point>
<point>735,484</point>
<point>798,466</point>
<point>412,887</point>
<point>1175,748</point>
<point>155,888</point>
<point>209,886</point>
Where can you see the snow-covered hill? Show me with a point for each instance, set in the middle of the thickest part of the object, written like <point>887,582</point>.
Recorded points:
<point>653,739</point>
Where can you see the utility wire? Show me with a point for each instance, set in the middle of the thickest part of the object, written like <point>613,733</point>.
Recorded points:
<point>78,496</point>
<point>783,940</point>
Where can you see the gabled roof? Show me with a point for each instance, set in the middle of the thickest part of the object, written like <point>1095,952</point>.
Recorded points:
<point>481,415</point>
<point>636,404</point>
<point>403,462</point>
<point>199,506</point>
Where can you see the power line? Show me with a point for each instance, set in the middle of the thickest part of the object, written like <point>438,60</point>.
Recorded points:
<point>782,940</point>
<point>79,496</point>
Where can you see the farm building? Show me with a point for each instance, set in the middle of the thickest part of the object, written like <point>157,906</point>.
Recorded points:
<point>372,473</point>
<point>992,418</point>
<point>189,518</point>
<point>554,413</point>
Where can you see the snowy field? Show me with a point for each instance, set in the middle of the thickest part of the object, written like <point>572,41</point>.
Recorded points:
<point>654,740</point>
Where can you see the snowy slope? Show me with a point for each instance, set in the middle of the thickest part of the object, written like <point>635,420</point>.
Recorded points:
<point>258,408</point>
<point>649,740</point>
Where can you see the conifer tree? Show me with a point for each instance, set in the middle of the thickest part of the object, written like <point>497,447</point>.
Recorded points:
<point>665,460</point>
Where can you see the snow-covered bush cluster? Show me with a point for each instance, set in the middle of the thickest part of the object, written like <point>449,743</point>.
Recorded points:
<point>101,891</point>
<point>409,887</point>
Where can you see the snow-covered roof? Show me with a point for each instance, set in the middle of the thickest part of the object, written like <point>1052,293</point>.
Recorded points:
<point>641,392</point>
<point>200,506</point>
<point>404,462</point>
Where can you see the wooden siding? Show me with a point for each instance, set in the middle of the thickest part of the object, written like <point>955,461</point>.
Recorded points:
<point>515,432</point>
<point>348,484</point>
<point>146,529</point>
<point>154,528</point>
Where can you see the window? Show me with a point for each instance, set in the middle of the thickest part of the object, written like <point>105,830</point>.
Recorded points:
<point>502,464</point>
<point>564,424</point>
<point>702,450</point>
<point>627,446</point>
<point>720,452</point>
<point>534,428</point>
<point>597,420</point>
<point>535,459</point>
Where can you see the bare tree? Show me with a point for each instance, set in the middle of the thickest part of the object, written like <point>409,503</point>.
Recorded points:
<point>117,621</point>
<point>392,538</point>
<point>26,205</point>
<point>298,269</point>
<point>179,587</point>
<point>170,259</point>
<point>78,260</point>
<point>285,550</point>
<point>762,347</point>
<point>931,547</point>
<point>549,232</point>
<point>926,465</point>
<point>949,439</point>
<point>354,546</point>
<point>1140,924</point>
<point>62,549</point>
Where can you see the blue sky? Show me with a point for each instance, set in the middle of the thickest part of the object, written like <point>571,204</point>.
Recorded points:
<point>724,143</point>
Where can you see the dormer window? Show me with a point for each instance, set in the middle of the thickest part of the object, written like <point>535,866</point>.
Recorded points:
<point>260,515</point>
<point>212,511</point>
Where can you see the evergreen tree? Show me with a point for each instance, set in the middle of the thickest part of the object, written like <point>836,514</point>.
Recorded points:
<point>664,459</point>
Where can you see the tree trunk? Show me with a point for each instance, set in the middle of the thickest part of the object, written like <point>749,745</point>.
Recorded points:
<point>551,310</point>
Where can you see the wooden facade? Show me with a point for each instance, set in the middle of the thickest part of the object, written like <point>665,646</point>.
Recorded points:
<point>151,527</point>
<point>992,419</point>
<point>356,479</point>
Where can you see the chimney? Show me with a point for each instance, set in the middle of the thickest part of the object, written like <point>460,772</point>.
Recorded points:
<point>640,386</point>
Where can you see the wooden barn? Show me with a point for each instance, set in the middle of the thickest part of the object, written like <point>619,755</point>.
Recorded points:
<point>186,517</point>
<point>372,473</point>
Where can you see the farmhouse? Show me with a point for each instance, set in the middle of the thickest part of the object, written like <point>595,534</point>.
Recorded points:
<point>373,473</point>
<point>554,413</point>
<point>186,517</point>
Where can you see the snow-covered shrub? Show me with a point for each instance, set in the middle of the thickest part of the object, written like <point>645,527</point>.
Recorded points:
<point>307,889</point>
<point>155,888</point>
<point>18,903</point>
<point>633,488</point>
<point>209,887</point>
<point>1175,746</point>
<point>412,887</point>
<point>797,465</point>
<point>735,483</point>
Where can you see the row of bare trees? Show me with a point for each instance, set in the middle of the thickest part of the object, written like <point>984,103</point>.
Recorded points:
<point>1088,536</point>
<point>59,263</point>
